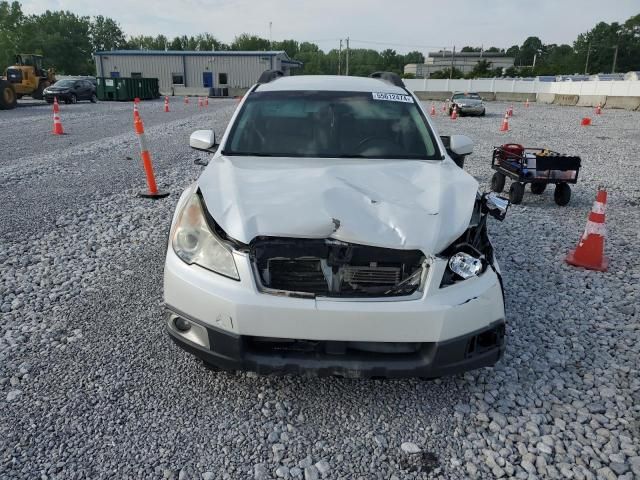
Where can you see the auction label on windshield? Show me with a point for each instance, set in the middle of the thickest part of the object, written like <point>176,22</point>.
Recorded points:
<point>392,97</point>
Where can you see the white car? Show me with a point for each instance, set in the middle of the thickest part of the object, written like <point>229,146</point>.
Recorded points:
<point>332,233</point>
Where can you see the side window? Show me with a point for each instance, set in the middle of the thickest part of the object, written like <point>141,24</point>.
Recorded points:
<point>223,79</point>
<point>177,79</point>
<point>136,74</point>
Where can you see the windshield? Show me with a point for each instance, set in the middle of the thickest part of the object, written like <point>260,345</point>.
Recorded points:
<point>471,96</point>
<point>331,124</point>
<point>64,83</point>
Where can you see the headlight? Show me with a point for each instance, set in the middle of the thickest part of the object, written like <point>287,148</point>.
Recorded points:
<point>194,242</point>
<point>465,265</point>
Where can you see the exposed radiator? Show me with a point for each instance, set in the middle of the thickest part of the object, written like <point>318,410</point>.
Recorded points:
<point>371,275</point>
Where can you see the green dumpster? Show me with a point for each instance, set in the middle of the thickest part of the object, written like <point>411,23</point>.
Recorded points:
<point>126,89</point>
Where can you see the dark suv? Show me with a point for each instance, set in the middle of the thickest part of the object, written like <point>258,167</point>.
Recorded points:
<point>70,91</point>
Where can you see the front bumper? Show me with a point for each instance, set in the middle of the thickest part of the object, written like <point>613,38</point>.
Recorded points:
<point>227,351</point>
<point>232,314</point>
<point>64,96</point>
<point>471,110</point>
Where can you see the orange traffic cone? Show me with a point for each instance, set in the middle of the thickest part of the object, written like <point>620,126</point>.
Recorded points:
<point>510,111</point>
<point>589,253</point>
<point>444,107</point>
<point>136,113</point>
<point>206,101</point>
<point>57,124</point>
<point>136,100</point>
<point>586,121</point>
<point>166,104</point>
<point>186,100</point>
<point>145,156</point>
<point>433,110</point>
<point>505,123</point>
<point>454,113</point>
<point>526,104</point>
<point>598,109</point>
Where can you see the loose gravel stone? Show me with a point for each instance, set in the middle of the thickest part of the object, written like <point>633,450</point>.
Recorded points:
<point>311,473</point>
<point>410,448</point>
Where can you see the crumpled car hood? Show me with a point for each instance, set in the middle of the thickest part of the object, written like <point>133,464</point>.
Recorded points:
<point>403,204</point>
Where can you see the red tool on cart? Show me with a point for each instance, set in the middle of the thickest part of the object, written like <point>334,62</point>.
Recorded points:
<point>536,166</point>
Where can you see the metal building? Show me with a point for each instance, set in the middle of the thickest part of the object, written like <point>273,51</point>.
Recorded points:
<point>463,61</point>
<point>194,72</point>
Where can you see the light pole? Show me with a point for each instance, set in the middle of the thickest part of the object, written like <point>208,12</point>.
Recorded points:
<point>347,64</point>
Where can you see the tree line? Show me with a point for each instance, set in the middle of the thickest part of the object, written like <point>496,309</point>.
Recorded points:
<point>67,41</point>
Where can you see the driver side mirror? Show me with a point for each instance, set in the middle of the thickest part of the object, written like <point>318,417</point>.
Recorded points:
<point>461,145</point>
<point>496,205</point>
<point>203,140</point>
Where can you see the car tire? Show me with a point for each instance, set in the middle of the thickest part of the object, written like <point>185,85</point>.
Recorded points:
<point>562,194</point>
<point>73,98</point>
<point>497,182</point>
<point>516,192</point>
<point>538,188</point>
<point>484,112</point>
<point>94,98</point>
<point>38,95</point>
<point>8,97</point>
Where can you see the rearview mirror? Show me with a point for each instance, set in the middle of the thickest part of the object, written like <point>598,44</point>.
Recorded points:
<point>496,206</point>
<point>203,140</point>
<point>461,144</point>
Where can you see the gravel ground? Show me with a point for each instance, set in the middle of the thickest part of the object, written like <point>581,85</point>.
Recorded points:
<point>92,387</point>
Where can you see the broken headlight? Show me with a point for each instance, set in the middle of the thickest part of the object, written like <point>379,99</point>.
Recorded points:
<point>465,265</point>
<point>466,262</point>
<point>194,242</point>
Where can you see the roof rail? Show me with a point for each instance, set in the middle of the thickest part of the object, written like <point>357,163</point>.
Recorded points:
<point>390,77</point>
<point>270,75</point>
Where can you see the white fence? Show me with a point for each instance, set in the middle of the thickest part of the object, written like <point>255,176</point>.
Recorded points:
<point>623,88</point>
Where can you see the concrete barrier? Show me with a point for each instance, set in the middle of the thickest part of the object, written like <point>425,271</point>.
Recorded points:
<point>591,100</point>
<point>567,100</point>
<point>545,98</point>
<point>442,96</point>
<point>191,91</point>
<point>626,103</point>
<point>487,96</point>
<point>515,97</point>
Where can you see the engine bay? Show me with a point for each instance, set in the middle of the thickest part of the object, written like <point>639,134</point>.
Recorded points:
<point>331,268</point>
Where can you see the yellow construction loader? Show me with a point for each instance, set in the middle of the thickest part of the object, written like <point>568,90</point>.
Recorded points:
<point>26,77</point>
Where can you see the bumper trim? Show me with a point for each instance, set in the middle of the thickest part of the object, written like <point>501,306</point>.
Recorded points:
<point>481,348</point>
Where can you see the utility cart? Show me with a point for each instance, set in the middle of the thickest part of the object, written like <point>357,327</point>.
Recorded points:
<point>536,166</point>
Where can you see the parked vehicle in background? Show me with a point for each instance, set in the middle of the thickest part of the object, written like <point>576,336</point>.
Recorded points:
<point>332,233</point>
<point>71,91</point>
<point>467,103</point>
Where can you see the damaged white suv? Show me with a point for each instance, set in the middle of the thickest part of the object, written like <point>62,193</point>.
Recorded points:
<point>332,233</point>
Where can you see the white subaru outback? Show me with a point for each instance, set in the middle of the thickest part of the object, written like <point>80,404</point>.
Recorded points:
<point>333,233</point>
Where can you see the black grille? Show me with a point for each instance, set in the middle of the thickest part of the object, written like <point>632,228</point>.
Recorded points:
<point>298,276</point>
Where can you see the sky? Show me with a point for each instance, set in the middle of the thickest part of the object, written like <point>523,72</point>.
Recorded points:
<point>403,25</point>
